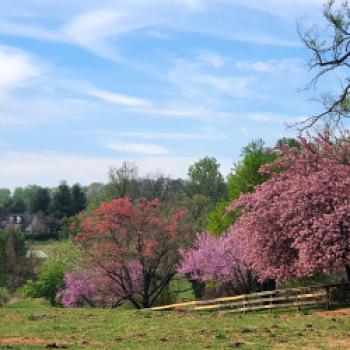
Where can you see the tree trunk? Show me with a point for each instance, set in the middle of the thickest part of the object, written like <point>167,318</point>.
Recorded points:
<point>269,285</point>
<point>347,269</point>
<point>146,303</point>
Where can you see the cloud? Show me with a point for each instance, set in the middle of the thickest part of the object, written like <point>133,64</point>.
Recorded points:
<point>29,31</point>
<point>41,110</point>
<point>49,168</point>
<point>118,99</point>
<point>17,69</point>
<point>273,66</point>
<point>173,110</point>
<point>193,4</point>
<point>199,89</point>
<point>136,148</point>
<point>193,79</point>
<point>95,30</point>
<point>213,59</point>
<point>285,9</point>
<point>92,29</point>
<point>163,135</point>
<point>97,27</point>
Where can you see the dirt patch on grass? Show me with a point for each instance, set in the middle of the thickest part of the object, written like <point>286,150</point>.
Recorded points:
<point>335,313</point>
<point>14,300</point>
<point>31,341</point>
<point>336,343</point>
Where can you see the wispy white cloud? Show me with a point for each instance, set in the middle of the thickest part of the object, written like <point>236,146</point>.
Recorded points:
<point>193,80</point>
<point>199,93</point>
<point>41,110</point>
<point>194,4</point>
<point>136,148</point>
<point>163,135</point>
<point>211,58</point>
<point>274,67</point>
<point>17,68</point>
<point>92,30</point>
<point>29,31</point>
<point>118,99</point>
<point>284,9</point>
<point>193,110</point>
<point>96,27</point>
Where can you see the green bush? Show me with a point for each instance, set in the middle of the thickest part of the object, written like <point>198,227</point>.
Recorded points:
<point>166,297</point>
<point>4,296</point>
<point>50,280</point>
<point>317,279</point>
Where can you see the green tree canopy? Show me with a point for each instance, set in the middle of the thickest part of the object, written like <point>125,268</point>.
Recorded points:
<point>122,181</point>
<point>243,179</point>
<point>5,198</point>
<point>246,174</point>
<point>205,179</point>
<point>18,204</point>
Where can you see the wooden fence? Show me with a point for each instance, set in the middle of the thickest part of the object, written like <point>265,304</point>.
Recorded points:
<point>285,298</point>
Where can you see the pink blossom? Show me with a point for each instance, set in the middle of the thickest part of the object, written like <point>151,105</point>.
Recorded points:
<point>297,222</point>
<point>220,259</point>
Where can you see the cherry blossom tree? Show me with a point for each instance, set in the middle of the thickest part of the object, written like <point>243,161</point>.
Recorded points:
<point>297,222</point>
<point>124,236</point>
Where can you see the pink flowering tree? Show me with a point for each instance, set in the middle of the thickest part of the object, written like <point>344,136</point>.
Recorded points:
<point>135,243</point>
<point>297,223</point>
<point>95,288</point>
<point>80,290</point>
<point>220,259</point>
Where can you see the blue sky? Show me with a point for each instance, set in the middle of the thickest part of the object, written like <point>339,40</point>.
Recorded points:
<point>86,84</point>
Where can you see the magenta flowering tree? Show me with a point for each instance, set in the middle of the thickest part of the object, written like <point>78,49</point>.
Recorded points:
<point>96,288</point>
<point>220,259</point>
<point>297,222</point>
<point>80,290</point>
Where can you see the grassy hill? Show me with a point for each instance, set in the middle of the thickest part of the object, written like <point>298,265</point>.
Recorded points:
<point>23,327</point>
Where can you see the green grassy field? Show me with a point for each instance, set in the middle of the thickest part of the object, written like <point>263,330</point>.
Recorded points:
<point>23,326</point>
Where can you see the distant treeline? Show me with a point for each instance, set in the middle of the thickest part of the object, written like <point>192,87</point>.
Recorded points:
<point>205,192</point>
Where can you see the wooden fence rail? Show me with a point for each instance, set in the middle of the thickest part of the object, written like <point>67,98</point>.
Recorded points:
<point>284,298</point>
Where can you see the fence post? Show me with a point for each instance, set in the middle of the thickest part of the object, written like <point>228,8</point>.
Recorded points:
<point>244,305</point>
<point>327,298</point>
<point>270,309</point>
<point>298,308</point>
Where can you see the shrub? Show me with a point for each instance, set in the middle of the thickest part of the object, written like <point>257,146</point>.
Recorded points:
<point>4,296</point>
<point>50,281</point>
<point>50,278</point>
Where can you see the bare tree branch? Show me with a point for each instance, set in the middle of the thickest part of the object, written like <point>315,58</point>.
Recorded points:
<point>330,54</point>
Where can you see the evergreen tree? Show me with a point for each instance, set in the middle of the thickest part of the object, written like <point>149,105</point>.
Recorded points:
<point>78,199</point>
<point>62,203</point>
<point>39,200</point>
